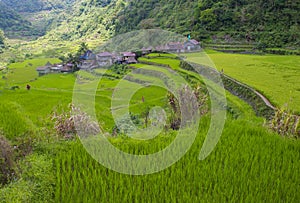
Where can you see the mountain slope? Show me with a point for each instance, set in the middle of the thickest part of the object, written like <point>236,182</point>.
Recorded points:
<point>11,20</point>
<point>43,15</point>
<point>32,6</point>
<point>90,19</point>
<point>273,22</point>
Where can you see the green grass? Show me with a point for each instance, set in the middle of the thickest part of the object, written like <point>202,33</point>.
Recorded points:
<point>277,77</point>
<point>25,72</point>
<point>248,164</point>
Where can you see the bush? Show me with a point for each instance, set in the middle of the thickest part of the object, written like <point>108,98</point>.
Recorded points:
<point>36,183</point>
<point>74,121</point>
<point>6,160</point>
<point>285,123</point>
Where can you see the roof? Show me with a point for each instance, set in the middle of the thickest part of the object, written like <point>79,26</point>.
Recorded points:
<point>131,60</point>
<point>66,69</point>
<point>48,64</point>
<point>174,45</point>
<point>55,68</point>
<point>147,49</point>
<point>104,54</point>
<point>88,55</point>
<point>42,68</point>
<point>195,42</point>
<point>128,54</point>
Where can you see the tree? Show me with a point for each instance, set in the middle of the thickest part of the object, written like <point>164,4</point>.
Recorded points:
<point>82,48</point>
<point>2,38</point>
<point>209,19</point>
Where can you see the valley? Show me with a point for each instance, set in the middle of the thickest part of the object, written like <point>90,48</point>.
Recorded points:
<point>149,101</point>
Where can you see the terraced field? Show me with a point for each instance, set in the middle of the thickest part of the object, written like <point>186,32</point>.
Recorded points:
<point>248,164</point>
<point>277,77</point>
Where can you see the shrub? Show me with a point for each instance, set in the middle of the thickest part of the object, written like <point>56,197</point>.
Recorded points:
<point>6,160</point>
<point>285,123</point>
<point>74,121</point>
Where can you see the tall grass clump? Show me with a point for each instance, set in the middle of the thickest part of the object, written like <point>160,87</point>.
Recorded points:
<point>6,160</point>
<point>285,123</point>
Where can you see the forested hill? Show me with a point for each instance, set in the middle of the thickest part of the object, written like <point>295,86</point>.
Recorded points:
<point>11,20</point>
<point>273,22</point>
<point>31,6</point>
<point>32,17</point>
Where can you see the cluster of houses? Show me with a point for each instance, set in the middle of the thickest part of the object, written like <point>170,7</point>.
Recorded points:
<point>90,60</point>
<point>178,47</point>
<point>105,59</point>
<point>55,68</point>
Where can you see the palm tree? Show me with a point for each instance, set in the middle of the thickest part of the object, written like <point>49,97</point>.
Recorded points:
<point>82,48</point>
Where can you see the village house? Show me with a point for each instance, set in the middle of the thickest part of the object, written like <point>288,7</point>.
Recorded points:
<point>56,68</point>
<point>43,70</point>
<point>88,55</point>
<point>161,48</point>
<point>175,47</point>
<point>88,65</point>
<point>129,57</point>
<point>67,68</point>
<point>118,59</point>
<point>178,47</point>
<point>131,60</point>
<point>192,45</point>
<point>105,59</point>
<point>87,61</point>
<point>146,50</point>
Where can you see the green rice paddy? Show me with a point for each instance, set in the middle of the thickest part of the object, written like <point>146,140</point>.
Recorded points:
<point>249,163</point>
<point>277,77</point>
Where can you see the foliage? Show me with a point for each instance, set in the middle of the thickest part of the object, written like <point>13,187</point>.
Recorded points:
<point>249,21</point>
<point>2,39</point>
<point>32,18</point>
<point>36,182</point>
<point>119,69</point>
<point>6,160</point>
<point>70,123</point>
<point>10,20</point>
<point>285,123</point>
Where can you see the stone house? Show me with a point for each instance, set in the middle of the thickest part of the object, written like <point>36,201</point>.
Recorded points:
<point>43,70</point>
<point>192,45</point>
<point>105,59</point>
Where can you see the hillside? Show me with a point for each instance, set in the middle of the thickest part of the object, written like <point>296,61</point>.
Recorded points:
<point>266,23</point>
<point>32,6</point>
<point>88,20</point>
<point>273,23</point>
<point>41,15</point>
<point>11,20</point>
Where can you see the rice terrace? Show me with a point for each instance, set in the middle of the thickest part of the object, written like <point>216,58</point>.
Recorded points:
<point>128,101</point>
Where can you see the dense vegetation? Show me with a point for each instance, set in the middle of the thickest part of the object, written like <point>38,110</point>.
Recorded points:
<point>2,39</point>
<point>31,6</point>
<point>272,23</point>
<point>11,20</point>
<point>264,23</point>
<point>31,17</point>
